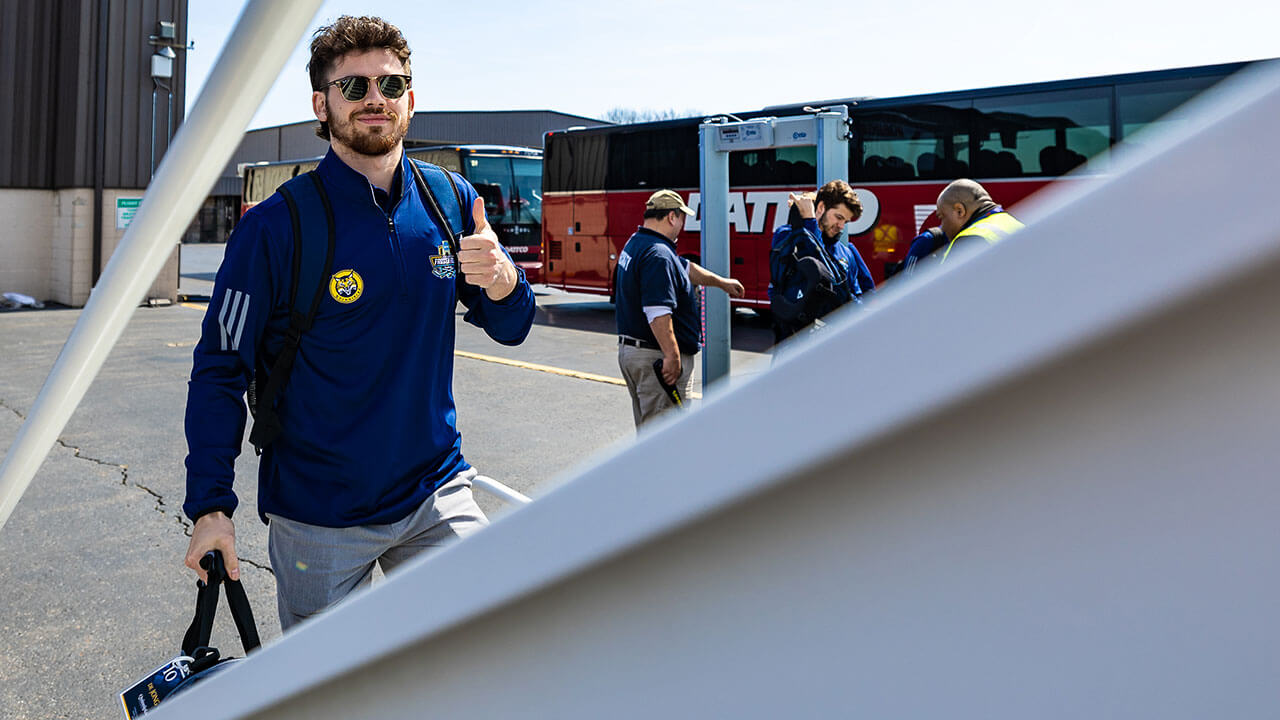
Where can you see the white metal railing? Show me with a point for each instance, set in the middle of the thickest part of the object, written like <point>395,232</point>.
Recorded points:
<point>500,491</point>
<point>1067,511</point>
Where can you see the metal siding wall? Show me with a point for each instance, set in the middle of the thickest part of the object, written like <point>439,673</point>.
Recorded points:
<point>9,170</point>
<point>502,128</point>
<point>113,118</point>
<point>28,42</point>
<point>255,146</point>
<point>299,141</point>
<point>128,80</point>
<point>127,133</point>
<point>153,12</point>
<point>177,11</point>
<point>38,43</point>
<point>72,96</point>
<point>52,49</point>
<point>87,129</point>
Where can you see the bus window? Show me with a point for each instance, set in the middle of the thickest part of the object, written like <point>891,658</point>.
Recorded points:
<point>653,159</point>
<point>527,198</point>
<point>1045,133</point>
<point>1144,105</point>
<point>574,161</point>
<point>929,142</point>
<point>775,166</point>
<point>491,177</point>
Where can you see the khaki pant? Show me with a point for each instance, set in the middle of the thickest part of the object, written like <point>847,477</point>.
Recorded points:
<point>648,399</point>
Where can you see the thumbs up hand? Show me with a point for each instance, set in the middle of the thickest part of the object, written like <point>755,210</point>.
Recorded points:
<point>481,259</point>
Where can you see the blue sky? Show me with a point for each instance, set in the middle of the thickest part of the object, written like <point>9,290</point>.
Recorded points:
<point>718,56</point>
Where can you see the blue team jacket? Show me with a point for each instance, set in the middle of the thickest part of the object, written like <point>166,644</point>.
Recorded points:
<point>846,254</point>
<point>368,413</point>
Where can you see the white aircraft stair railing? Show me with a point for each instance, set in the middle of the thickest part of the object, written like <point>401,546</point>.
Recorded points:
<point>1060,503</point>
<point>500,491</point>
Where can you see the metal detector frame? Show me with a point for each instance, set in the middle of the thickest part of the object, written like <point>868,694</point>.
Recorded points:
<point>827,128</point>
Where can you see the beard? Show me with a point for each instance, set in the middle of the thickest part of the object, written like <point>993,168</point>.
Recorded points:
<point>373,141</point>
<point>829,228</point>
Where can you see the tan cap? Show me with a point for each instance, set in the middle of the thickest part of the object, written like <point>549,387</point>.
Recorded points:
<point>667,200</point>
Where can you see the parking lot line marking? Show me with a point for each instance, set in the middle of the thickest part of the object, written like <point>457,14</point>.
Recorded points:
<point>550,369</point>
<point>542,368</point>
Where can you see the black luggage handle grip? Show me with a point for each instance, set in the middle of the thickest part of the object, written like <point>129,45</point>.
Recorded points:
<point>201,629</point>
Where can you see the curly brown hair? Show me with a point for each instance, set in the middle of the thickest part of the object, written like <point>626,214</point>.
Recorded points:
<point>838,192</point>
<point>350,34</point>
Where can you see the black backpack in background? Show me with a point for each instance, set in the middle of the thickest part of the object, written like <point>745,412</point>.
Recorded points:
<point>811,284</point>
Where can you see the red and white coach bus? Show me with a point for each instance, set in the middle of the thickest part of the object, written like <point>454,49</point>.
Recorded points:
<point>1014,139</point>
<point>508,178</point>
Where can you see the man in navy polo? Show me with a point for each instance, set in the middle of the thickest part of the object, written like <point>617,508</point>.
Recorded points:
<point>657,308</point>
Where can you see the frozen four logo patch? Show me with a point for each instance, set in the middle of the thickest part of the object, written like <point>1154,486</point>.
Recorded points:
<point>346,286</point>
<point>442,263</point>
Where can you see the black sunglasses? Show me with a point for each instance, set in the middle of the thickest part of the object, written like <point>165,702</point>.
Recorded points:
<point>355,87</point>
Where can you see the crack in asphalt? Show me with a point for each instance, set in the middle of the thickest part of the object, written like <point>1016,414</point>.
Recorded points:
<point>5,404</point>
<point>124,469</point>
<point>260,566</point>
<point>160,506</point>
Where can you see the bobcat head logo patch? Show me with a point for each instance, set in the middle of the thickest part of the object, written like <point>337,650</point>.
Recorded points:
<point>346,286</point>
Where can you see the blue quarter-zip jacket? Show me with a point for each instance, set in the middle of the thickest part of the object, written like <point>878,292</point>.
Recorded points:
<point>859,275</point>
<point>369,421</point>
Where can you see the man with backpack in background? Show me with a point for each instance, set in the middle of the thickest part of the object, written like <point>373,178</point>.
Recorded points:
<point>811,273</point>
<point>355,419</point>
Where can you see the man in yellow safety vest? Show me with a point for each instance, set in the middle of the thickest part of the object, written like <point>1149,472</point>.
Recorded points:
<point>968,215</point>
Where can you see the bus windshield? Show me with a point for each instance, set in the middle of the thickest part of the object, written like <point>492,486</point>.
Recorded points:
<point>510,187</point>
<point>528,174</point>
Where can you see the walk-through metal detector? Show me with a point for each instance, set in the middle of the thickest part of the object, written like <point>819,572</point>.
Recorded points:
<point>827,128</point>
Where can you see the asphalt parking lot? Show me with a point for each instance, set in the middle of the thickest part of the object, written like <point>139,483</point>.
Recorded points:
<point>95,594</point>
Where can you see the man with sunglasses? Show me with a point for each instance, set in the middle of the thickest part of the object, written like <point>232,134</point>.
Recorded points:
<point>367,467</point>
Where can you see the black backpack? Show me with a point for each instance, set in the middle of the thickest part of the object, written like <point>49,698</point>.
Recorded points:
<point>811,283</point>
<point>311,216</point>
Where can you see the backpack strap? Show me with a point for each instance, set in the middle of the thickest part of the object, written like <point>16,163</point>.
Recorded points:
<point>312,265</point>
<point>441,196</point>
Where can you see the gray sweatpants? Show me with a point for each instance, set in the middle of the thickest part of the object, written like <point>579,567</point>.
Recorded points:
<point>316,567</point>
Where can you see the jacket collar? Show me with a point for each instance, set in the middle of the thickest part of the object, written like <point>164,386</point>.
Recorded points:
<point>642,230</point>
<point>981,213</point>
<point>345,180</point>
